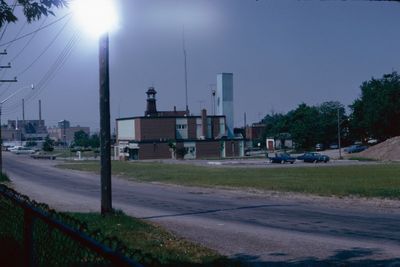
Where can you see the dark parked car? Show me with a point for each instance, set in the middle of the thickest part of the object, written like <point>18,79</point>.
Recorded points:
<point>282,158</point>
<point>355,148</point>
<point>313,157</point>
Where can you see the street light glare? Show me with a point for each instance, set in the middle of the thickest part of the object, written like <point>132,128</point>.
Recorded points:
<point>96,16</point>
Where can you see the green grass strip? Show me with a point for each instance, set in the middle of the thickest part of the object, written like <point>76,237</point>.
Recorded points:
<point>375,180</point>
<point>151,240</point>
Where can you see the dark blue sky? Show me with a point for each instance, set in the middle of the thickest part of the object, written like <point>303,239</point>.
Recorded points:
<point>282,53</point>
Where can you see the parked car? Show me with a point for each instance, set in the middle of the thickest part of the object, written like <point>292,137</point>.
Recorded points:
<point>319,147</point>
<point>13,148</point>
<point>355,148</point>
<point>313,157</point>
<point>372,141</point>
<point>23,150</point>
<point>282,158</point>
<point>333,146</point>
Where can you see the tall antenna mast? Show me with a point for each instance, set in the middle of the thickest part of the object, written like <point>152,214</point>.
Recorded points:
<point>185,63</point>
<point>23,109</point>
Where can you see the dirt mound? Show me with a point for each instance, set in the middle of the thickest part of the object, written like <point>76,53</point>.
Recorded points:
<point>388,150</point>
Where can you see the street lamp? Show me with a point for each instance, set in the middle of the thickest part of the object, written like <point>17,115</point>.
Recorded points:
<point>99,17</point>
<point>1,107</point>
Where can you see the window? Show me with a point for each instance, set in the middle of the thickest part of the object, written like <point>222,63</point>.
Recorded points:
<point>181,126</point>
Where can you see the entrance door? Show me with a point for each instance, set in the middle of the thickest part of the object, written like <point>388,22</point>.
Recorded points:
<point>270,145</point>
<point>133,154</point>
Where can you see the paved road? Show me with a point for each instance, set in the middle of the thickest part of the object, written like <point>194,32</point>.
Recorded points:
<point>260,228</point>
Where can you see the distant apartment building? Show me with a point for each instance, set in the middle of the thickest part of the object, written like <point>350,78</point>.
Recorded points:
<point>165,134</point>
<point>64,132</point>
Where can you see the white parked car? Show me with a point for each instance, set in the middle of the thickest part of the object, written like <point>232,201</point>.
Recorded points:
<point>13,148</point>
<point>22,150</point>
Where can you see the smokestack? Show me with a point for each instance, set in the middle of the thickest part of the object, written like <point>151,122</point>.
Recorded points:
<point>204,122</point>
<point>40,110</point>
<point>23,109</point>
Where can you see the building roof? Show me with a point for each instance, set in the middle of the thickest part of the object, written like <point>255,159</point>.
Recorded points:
<point>169,117</point>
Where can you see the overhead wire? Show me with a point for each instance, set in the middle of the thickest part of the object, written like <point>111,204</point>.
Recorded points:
<point>18,33</point>
<point>27,43</point>
<point>6,90</point>
<point>60,61</point>
<point>22,50</point>
<point>33,32</point>
<point>1,37</point>
<point>49,75</point>
<point>44,50</point>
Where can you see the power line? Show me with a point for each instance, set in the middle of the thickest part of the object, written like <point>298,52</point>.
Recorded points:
<point>1,59</point>
<point>23,48</point>
<point>8,87</point>
<point>60,60</point>
<point>27,43</point>
<point>18,33</point>
<point>50,74</point>
<point>42,53</point>
<point>44,50</point>
<point>42,28</point>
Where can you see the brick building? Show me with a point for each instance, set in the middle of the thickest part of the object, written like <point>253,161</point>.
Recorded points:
<point>170,134</point>
<point>255,131</point>
<point>64,132</point>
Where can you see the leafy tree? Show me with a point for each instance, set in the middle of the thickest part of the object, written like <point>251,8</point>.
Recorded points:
<point>48,144</point>
<point>81,139</point>
<point>328,120</point>
<point>376,113</point>
<point>31,143</point>
<point>32,9</point>
<point>303,125</point>
<point>95,141</point>
<point>276,124</point>
<point>307,125</point>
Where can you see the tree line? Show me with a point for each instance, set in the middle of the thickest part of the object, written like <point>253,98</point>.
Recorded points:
<point>374,115</point>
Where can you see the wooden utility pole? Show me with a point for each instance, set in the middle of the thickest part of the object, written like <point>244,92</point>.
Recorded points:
<point>105,135</point>
<point>1,139</point>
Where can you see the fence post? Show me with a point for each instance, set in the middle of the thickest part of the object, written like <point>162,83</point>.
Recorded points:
<point>28,238</point>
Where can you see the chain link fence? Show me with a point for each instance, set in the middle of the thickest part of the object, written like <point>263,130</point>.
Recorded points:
<point>32,234</point>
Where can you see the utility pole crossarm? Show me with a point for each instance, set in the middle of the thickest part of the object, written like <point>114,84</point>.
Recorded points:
<point>9,81</point>
<point>8,66</point>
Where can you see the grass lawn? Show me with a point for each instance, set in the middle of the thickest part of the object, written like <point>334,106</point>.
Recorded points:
<point>151,240</point>
<point>361,159</point>
<point>66,153</point>
<point>378,180</point>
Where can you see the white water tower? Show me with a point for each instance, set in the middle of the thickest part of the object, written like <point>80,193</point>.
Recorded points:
<point>224,98</point>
